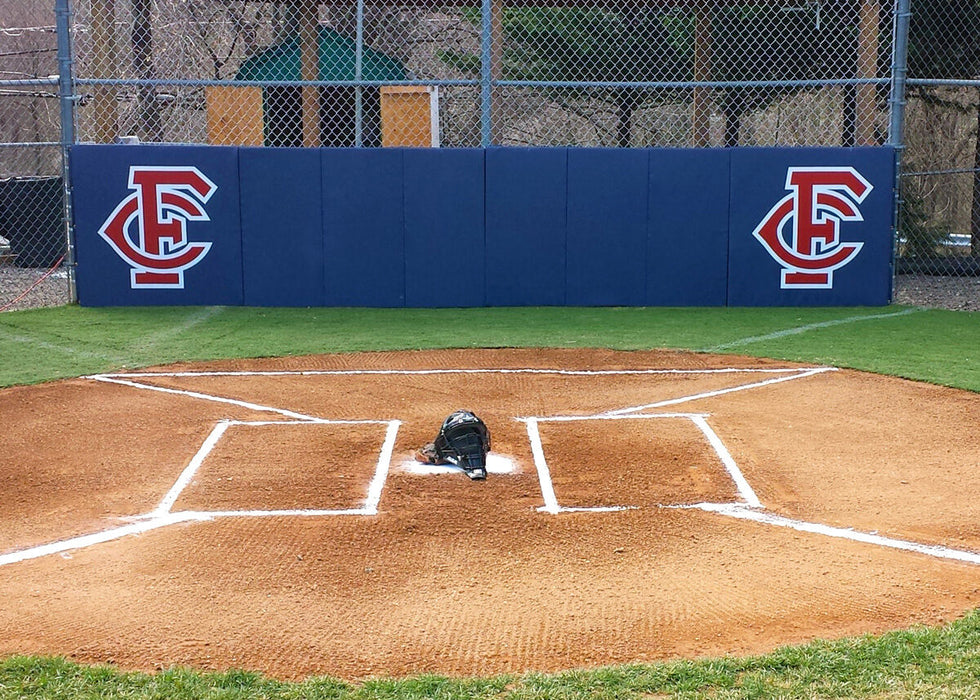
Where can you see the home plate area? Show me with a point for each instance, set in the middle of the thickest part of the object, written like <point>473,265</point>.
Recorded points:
<point>637,506</point>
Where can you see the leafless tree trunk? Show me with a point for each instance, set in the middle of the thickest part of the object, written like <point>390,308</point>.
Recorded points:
<point>148,123</point>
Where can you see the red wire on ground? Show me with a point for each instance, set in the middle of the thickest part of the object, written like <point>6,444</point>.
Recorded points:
<point>28,290</point>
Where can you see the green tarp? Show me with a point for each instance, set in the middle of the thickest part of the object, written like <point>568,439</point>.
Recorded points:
<point>337,55</point>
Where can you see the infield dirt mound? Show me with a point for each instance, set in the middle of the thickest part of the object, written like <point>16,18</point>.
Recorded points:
<point>461,577</point>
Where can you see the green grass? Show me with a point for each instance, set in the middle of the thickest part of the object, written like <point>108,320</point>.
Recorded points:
<point>939,664</point>
<point>935,346</point>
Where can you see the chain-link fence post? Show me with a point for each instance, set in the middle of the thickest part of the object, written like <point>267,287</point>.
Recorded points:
<point>66,99</point>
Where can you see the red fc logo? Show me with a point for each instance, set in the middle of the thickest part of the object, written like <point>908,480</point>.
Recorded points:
<point>802,231</point>
<point>148,229</point>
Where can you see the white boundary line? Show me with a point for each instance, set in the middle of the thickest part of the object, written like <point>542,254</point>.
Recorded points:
<point>98,537</point>
<point>551,505</point>
<point>381,469</point>
<point>208,397</point>
<point>751,509</point>
<point>744,490</point>
<point>801,374</point>
<point>185,476</point>
<point>809,327</point>
<point>544,475</point>
<point>525,370</point>
<point>738,511</point>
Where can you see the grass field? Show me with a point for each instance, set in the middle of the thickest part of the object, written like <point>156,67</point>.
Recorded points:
<point>942,347</point>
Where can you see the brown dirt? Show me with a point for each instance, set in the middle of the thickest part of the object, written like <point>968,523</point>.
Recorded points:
<point>461,577</point>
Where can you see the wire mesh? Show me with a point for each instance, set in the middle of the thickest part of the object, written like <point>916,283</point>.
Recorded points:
<point>939,222</point>
<point>799,72</point>
<point>32,230</point>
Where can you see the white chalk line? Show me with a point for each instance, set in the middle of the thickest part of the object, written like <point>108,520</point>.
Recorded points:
<point>776,335</point>
<point>551,505</point>
<point>744,513</point>
<point>185,476</point>
<point>741,484</point>
<point>383,372</point>
<point>381,469</point>
<point>544,475</point>
<point>611,416</point>
<point>150,342</point>
<point>801,374</point>
<point>194,319</point>
<point>7,334</point>
<point>111,379</point>
<point>83,541</point>
<point>162,516</point>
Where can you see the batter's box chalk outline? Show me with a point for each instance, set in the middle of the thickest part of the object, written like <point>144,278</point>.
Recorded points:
<point>369,507</point>
<point>749,508</point>
<point>164,516</point>
<point>551,505</point>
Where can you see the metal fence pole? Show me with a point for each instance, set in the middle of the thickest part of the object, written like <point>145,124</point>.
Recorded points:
<point>896,122</point>
<point>486,74</point>
<point>900,59</point>
<point>66,99</point>
<point>359,76</point>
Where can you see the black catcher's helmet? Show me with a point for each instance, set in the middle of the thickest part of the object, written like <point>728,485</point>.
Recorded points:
<point>464,440</point>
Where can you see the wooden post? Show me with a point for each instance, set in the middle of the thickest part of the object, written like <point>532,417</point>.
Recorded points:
<point>867,67</point>
<point>701,104</point>
<point>105,60</point>
<point>309,61</point>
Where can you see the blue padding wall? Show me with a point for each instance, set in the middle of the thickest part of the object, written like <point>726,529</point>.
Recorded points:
<point>286,236</point>
<point>482,227</point>
<point>363,226</point>
<point>687,252</point>
<point>445,245</point>
<point>607,229</point>
<point>526,215</point>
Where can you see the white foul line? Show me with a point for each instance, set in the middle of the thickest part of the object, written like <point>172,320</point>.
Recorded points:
<point>803,329</point>
<point>207,397</point>
<point>735,510</point>
<point>99,537</point>
<point>384,372</point>
<point>720,392</point>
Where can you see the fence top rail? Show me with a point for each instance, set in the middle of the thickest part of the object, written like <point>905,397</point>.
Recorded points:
<point>553,84</point>
<point>29,82</point>
<point>944,82</point>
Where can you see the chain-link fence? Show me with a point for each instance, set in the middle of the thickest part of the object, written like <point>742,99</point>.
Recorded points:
<point>797,72</point>
<point>702,73</point>
<point>32,230</point>
<point>939,232</point>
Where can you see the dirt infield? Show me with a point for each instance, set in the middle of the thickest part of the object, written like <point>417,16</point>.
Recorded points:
<point>268,514</point>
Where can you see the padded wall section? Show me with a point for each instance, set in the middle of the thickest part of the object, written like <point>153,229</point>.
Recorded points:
<point>607,226</point>
<point>687,252</point>
<point>282,227</point>
<point>810,226</point>
<point>526,199</point>
<point>363,226</point>
<point>444,232</point>
<point>173,237</point>
<point>391,227</point>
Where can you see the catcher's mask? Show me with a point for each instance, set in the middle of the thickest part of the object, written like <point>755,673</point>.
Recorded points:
<point>464,440</point>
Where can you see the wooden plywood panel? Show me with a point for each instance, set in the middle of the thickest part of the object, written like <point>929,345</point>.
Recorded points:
<point>409,116</point>
<point>234,115</point>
